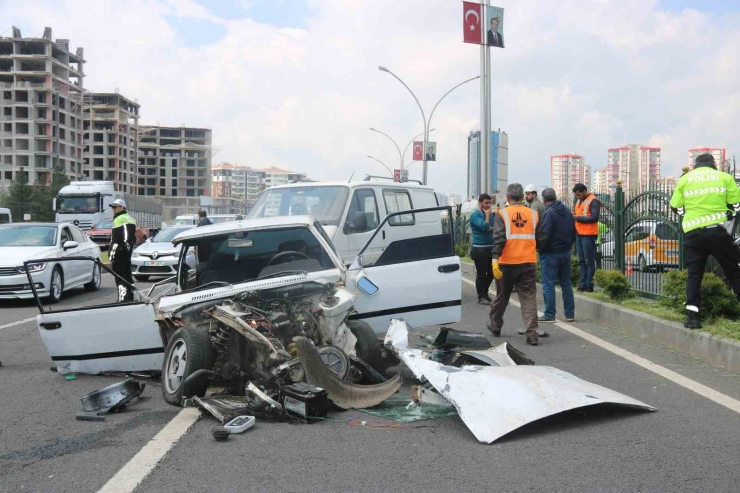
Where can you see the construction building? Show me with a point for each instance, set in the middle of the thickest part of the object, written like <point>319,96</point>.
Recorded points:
<point>638,167</point>
<point>110,122</point>
<point>41,86</point>
<point>174,161</point>
<point>245,183</point>
<point>720,157</point>
<point>565,171</point>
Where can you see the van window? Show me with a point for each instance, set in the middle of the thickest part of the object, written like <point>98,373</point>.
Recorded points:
<point>395,201</point>
<point>4,218</point>
<point>637,233</point>
<point>365,206</point>
<point>665,232</point>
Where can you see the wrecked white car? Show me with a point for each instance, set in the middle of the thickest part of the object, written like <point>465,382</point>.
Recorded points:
<point>261,288</point>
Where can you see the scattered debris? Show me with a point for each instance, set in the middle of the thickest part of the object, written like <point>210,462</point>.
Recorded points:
<point>70,376</point>
<point>240,424</point>
<point>110,399</point>
<point>220,433</point>
<point>404,410</point>
<point>452,339</point>
<point>225,407</point>
<point>305,402</point>
<point>493,401</point>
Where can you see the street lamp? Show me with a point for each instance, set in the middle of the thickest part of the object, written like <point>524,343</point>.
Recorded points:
<point>427,123</point>
<point>381,162</point>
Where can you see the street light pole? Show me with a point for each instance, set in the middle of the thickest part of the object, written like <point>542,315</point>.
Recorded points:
<point>423,116</point>
<point>381,162</point>
<point>400,156</point>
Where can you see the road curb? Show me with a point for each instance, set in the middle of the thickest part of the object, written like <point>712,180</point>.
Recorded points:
<point>718,351</point>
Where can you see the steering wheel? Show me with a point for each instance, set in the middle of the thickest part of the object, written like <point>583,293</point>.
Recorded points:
<point>288,253</point>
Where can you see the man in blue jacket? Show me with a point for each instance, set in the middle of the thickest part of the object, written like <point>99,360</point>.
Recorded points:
<point>480,251</point>
<point>555,244</point>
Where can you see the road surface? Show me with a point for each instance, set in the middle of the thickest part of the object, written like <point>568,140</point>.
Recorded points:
<point>689,444</point>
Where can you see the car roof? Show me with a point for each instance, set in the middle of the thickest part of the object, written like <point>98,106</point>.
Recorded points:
<point>30,223</point>
<point>353,184</point>
<point>243,225</point>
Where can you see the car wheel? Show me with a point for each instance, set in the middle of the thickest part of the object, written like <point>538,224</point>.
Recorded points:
<point>57,285</point>
<point>367,346</point>
<point>642,264</point>
<point>141,278</point>
<point>189,350</point>
<point>96,281</point>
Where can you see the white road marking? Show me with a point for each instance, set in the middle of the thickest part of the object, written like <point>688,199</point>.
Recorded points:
<point>138,468</point>
<point>19,322</point>
<point>702,390</point>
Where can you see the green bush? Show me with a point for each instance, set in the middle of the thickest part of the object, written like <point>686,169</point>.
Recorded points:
<point>575,271</point>
<point>717,299</point>
<point>462,250</point>
<point>614,283</point>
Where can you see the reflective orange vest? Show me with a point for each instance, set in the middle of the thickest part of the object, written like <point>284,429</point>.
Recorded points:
<point>583,208</point>
<point>521,247</point>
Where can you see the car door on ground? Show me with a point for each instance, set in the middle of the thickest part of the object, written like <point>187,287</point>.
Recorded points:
<point>417,277</point>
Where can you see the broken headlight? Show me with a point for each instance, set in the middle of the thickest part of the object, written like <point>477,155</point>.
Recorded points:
<point>34,267</point>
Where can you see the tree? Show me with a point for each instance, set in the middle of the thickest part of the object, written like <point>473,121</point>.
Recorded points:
<point>22,198</point>
<point>42,195</point>
<point>17,197</point>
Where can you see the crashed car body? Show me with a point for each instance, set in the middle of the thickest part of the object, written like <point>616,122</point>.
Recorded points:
<point>258,286</point>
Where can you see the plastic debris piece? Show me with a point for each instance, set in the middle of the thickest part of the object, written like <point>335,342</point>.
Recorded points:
<point>70,376</point>
<point>111,398</point>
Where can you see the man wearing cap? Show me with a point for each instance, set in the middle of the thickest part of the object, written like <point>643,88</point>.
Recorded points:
<point>705,198</point>
<point>123,239</point>
<point>530,194</point>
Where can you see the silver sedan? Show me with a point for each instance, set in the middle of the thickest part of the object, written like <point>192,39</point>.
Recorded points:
<point>158,257</point>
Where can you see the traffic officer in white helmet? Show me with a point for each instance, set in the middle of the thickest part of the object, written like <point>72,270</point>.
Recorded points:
<point>705,198</point>
<point>123,239</point>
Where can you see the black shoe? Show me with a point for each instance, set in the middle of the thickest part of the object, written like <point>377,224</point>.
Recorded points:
<point>532,340</point>
<point>493,330</point>
<point>570,319</point>
<point>487,298</point>
<point>580,289</point>
<point>589,289</point>
<point>546,320</point>
<point>693,320</point>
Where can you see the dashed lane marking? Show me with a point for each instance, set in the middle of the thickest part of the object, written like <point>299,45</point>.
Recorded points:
<point>687,383</point>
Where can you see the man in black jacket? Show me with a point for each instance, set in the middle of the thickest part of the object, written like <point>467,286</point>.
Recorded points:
<point>555,244</point>
<point>123,239</point>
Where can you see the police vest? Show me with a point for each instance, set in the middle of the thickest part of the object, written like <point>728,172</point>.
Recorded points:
<point>583,208</point>
<point>704,193</point>
<point>521,247</point>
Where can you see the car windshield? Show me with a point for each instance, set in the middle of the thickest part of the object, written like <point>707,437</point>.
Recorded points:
<point>107,224</point>
<point>326,204</point>
<point>222,219</point>
<point>28,236</point>
<point>242,257</point>
<point>181,221</point>
<point>77,203</point>
<point>167,235</point>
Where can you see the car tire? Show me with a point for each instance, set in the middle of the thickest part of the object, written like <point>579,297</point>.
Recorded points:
<point>56,288</point>
<point>193,346</point>
<point>367,346</point>
<point>141,278</point>
<point>641,264</point>
<point>96,281</point>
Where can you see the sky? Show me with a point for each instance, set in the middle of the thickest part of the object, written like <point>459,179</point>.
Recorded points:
<point>295,83</point>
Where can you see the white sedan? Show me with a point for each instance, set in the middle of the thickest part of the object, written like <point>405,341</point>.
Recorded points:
<point>21,242</point>
<point>158,257</point>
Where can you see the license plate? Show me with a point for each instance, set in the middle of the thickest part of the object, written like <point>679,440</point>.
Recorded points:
<point>152,263</point>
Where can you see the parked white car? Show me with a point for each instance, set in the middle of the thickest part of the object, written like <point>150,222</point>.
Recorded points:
<point>20,242</point>
<point>158,257</point>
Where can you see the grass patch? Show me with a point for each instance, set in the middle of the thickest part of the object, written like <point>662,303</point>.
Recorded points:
<point>721,327</point>
<point>467,260</point>
<point>104,257</point>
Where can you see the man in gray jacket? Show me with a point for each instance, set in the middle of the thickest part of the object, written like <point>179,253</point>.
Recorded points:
<point>530,194</point>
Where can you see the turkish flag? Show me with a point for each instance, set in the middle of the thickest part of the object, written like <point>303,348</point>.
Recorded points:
<point>418,150</point>
<point>473,23</point>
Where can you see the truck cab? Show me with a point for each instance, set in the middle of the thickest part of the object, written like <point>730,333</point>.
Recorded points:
<point>85,203</point>
<point>351,212</point>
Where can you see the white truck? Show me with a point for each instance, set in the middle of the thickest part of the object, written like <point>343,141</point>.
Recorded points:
<point>87,203</point>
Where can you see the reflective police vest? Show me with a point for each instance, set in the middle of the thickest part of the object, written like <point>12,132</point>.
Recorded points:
<point>704,194</point>
<point>583,208</point>
<point>521,247</point>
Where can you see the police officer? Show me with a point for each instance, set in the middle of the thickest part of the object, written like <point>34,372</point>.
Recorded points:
<point>515,262</point>
<point>705,198</point>
<point>123,239</point>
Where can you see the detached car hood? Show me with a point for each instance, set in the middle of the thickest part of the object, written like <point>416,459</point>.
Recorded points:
<point>14,256</point>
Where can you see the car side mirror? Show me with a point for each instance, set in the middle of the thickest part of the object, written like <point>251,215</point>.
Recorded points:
<point>68,245</point>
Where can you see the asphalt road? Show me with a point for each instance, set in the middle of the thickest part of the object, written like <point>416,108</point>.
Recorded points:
<point>689,444</point>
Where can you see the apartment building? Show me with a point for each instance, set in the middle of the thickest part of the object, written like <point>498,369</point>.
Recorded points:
<point>636,166</point>
<point>110,123</point>
<point>720,156</point>
<point>565,171</point>
<point>41,86</point>
<point>245,183</point>
<point>174,161</point>
<point>601,183</point>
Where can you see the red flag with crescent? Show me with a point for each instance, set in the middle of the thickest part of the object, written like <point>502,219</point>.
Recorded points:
<point>473,23</point>
<point>418,150</point>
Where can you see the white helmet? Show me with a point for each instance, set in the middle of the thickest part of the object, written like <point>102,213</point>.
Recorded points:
<point>118,203</point>
<point>530,188</point>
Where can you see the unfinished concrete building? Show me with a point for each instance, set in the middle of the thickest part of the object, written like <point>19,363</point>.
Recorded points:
<point>41,86</point>
<point>111,133</point>
<point>174,161</point>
